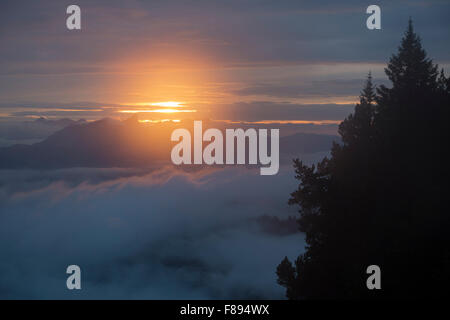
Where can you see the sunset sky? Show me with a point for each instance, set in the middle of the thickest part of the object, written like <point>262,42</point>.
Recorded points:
<point>107,196</point>
<point>224,60</point>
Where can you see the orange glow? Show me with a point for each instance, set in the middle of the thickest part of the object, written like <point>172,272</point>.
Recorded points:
<point>171,75</point>
<point>171,104</point>
<point>158,121</point>
<point>156,110</point>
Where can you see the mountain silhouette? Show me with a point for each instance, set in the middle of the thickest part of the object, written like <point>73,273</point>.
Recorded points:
<point>114,143</point>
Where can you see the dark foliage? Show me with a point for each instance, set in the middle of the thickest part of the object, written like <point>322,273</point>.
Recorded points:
<point>381,196</point>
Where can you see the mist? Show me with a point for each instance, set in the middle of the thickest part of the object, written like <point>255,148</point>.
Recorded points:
<point>162,234</point>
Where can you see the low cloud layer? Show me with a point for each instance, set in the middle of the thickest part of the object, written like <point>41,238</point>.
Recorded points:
<point>163,234</point>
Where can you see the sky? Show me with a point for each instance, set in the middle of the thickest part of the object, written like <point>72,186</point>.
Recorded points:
<point>221,60</point>
<point>167,232</point>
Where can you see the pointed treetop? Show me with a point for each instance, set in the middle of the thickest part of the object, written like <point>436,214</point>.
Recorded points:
<point>411,67</point>
<point>368,93</point>
<point>410,39</point>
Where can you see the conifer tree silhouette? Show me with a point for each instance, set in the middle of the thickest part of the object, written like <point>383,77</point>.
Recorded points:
<point>381,197</point>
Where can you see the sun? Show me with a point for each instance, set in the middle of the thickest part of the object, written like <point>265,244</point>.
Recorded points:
<point>164,107</point>
<point>165,104</point>
<point>166,110</point>
<point>168,104</point>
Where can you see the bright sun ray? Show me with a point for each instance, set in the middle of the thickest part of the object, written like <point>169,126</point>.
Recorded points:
<point>159,121</point>
<point>156,110</point>
<point>166,104</point>
<point>170,104</point>
<point>167,107</point>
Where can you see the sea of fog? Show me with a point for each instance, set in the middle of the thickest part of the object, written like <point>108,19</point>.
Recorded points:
<point>158,234</point>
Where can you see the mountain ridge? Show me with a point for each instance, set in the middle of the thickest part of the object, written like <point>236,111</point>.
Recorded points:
<point>114,143</point>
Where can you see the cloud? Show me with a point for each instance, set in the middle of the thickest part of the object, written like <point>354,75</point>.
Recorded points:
<point>312,88</point>
<point>281,32</point>
<point>40,59</point>
<point>164,234</point>
<point>266,110</point>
